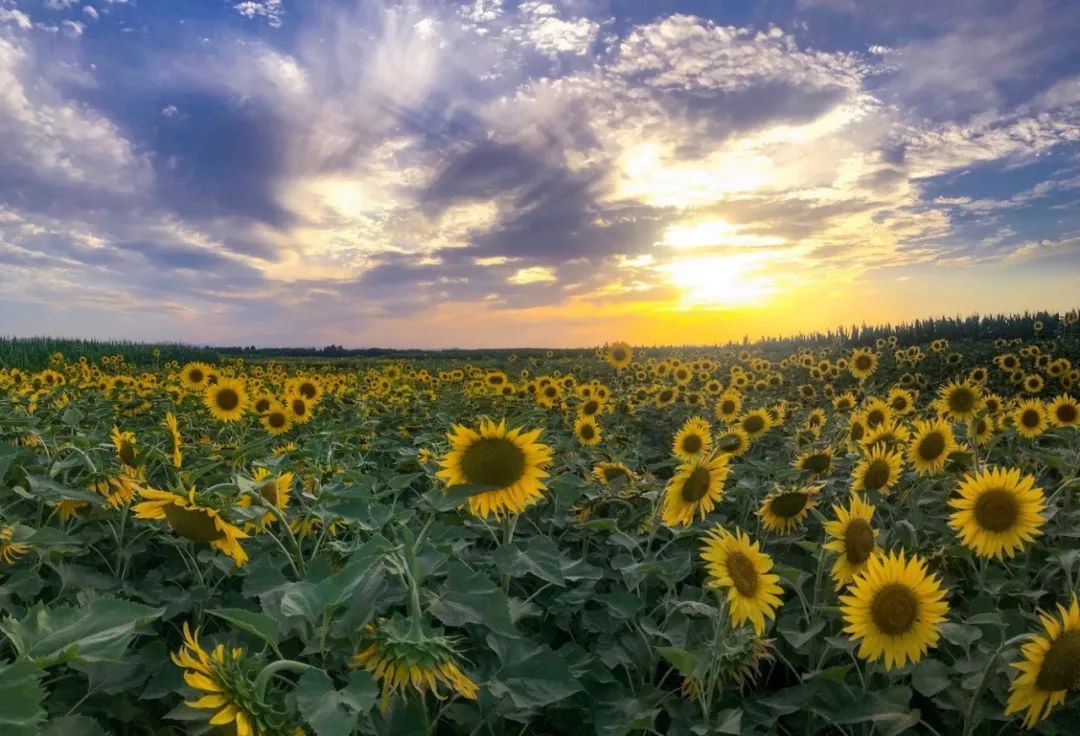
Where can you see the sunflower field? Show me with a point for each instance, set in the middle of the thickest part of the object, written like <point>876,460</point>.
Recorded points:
<point>844,538</point>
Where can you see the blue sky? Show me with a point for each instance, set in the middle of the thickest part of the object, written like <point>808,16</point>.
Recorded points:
<point>531,173</point>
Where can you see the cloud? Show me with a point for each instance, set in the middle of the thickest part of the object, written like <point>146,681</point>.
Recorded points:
<point>268,10</point>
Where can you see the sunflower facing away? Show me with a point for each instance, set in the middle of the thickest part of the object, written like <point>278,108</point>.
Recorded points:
<point>11,551</point>
<point>878,470</point>
<point>276,491</point>
<point>853,538</point>
<point>609,473</point>
<point>997,511</point>
<point>171,426</point>
<point>587,431</point>
<point>399,656</point>
<point>511,461</point>
<point>782,511</point>
<point>895,608</point>
<point>931,446</point>
<point>124,442</point>
<point>693,440</point>
<point>221,675</point>
<point>694,490</point>
<point>733,562</point>
<point>1050,667</point>
<point>192,521</point>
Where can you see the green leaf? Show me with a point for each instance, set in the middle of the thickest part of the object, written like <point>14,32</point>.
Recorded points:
<point>535,680</point>
<point>451,497</point>
<point>98,631</point>
<point>930,677</point>
<point>256,624</point>
<point>332,712</point>
<point>682,660</point>
<point>73,726</point>
<point>471,598</point>
<point>46,489</point>
<point>21,695</point>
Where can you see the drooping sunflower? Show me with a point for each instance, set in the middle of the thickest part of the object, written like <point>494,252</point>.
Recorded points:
<point>400,656</point>
<point>853,538</point>
<point>619,354</point>
<point>693,440</point>
<point>608,473</point>
<point>277,420</point>
<point>818,463</point>
<point>982,429</point>
<point>194,376</point>
<point>960,400</point>
<point>1029,418</point>
<point>226,399</point>
<point>587,431</point>
<point>878,470</point>
<point>733,441</point>
<point>931,446</point>
<point>275,490</point>
<point>124,442</point>
<point>863,363</point>
<point>1050,667</point>
<point>1064,411</point>
<point>895,608</point>
<point>511,461</point>
<point>222,676</point>
<point>173,428</point>
<point>739,565</point>
<point>10,550</point>
<point>694,490</point>
<point>997,511</point>
<point>192,521</point>
<point>782,511</point>
<point>756,423</point>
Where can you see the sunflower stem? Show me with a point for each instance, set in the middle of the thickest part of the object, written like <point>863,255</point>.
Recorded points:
<point>969,717</point>
<point>267,672</point>
<point>509,525</point>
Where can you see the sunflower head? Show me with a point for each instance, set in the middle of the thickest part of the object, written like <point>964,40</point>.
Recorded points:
<point>693,440</point>
<point>587,431</point>
<point>226,399</point>
<point>737,565</point>
<point>783,510</point>
<point>997,511</point>
<point>960,400</point>
<point>694,490</point>
<point>878,470</point>
<point>1050,666</point>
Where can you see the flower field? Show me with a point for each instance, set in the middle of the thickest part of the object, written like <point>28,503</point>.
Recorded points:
<point>879,536</point>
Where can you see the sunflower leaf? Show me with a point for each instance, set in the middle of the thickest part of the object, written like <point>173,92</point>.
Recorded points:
<point>21,695</point>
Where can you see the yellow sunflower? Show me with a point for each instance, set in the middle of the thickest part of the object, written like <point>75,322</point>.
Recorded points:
<point>587,431</point>
<point>728,406</point>
<point>960,400</point>
<point>982,429</point>
<point>852,538</point>
<point>277,419</point>
<point>608,473</point>
<point>1064,411</point>
<point>782,511</point>
<point>997,511</point>
<point>511,461</point>
<point>756,423</point>
<point>299,409</point>
<point>878,470</point>
<point>895,608</point>
<point>276,491</point>
<point>194,376</point>
<point>694,490</point>
<point>818,463</point>
<point>619,354</point>
<point>10,550</point>
<point>1029,418</point>
<point>124,442</point>
<point>734,563</point>
<point>733,441</point>
<point>1050,667</point>
<point>226,399</point>
<point>862,363</point>
<point>222,677</point>
<point>173,428</point>
<point>192,521</point>
<point>931,446</point>
<point>693,440</point>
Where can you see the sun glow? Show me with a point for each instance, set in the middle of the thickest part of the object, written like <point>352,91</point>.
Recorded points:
<point>722,280</point>
<point>715,233</point>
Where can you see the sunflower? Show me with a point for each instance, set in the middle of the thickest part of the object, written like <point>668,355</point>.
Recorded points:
<point>733,562</point>
<point>511,461</point>
<point>666,395</point>
<point>877,412</point>
<point>782,511</point>
<point>756,423</point>
<point>901,401</point>
<point>852,538</point>
<point>981,429</point>
<point>1064,411</point>
<point>192,521</point>
<point>1029,418</point>
<point>693,440</point>
<point>728,406</point>
<point>262,403</point>
<point>587,431</point>
<point>177,455</point>
<point>931,446</point>
<point>124,442</point>
<point>893,435</point>
<point>878,470</point>
<point>399,656</point>
<point>226,399</point>
<point>619,354</point>
<point>1050,667</point>
<point>863,363</point>
<point>274,491</point>
<point>11,551</point>
<point>222,675</point>
<point>997,511</point>
<point>694,490</point>
<point>609,473</point>
<point>960,400</point>
<point>591,407</point>
<point>733,441</point>
<point>194,376</point>
<point>310,388</point>
<point>844,402</point>
<point>277,420</point>
<point>299,409</point>
<point>818,463</point>
<point>895,608</point>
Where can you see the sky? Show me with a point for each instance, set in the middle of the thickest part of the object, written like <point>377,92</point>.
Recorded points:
<point>498,174</point>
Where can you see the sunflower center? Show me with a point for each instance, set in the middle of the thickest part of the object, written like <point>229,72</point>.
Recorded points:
<point>194,524</point>
<point>816,463</point>
<point>276,420</point>
<point>857,432</point>
<point>1030,418</point>
<point>587,431</point>
<point>227,399</point>
<point>789,505</point>
<point>618,354</point>
<point>696,486</point>
<point>875,417</point>
<point>894,609</point>
<point>863,363</point>
<point>743,574</point>
<point>493,461</point>
<point>307,390</point>
<point>961,400</point>
<point>753,424</point>
<point>270,493</point>
<point>996,510</point>
<point>299,407</point>
<point>1061,667</point>
<point>931,446</point>
<point>196,376</point>
<point>728,407</point>
<point>262,406</point>
<point>1065,413</point>
<point>858,541</point>
<point>692,444</point>
<point>666,395</point>
<point>127,454</point>
<point>590,407</point>
<point>611,474</point>
<point>877,474</point>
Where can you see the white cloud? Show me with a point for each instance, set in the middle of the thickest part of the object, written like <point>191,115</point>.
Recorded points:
<point>59,4</point>
<point>90,12</point>
<point>532,275</point>
<point>72,27</point>
<point>269,10</point>
<point>16,17</point>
